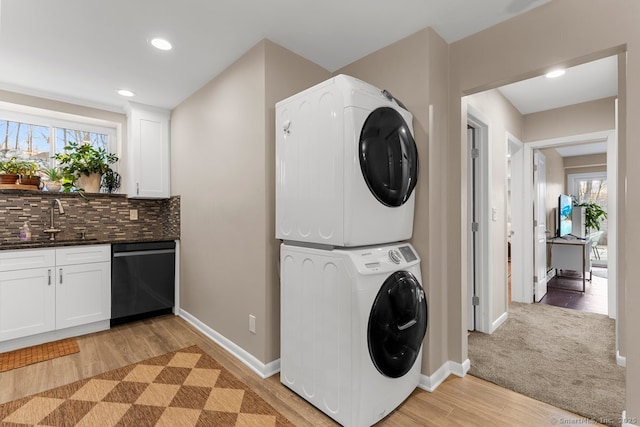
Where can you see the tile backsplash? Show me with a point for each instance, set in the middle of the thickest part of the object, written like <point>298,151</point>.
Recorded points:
<point>101,216</point>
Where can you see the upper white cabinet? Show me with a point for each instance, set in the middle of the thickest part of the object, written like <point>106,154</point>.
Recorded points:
<point>148,152</point>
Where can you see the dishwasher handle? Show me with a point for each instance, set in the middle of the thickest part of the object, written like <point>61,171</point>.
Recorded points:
<point>143,253</point>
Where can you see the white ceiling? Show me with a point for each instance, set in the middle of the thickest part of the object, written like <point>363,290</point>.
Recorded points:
<point>582,149</point>
<point>82,51</point>
<point>582,83</point>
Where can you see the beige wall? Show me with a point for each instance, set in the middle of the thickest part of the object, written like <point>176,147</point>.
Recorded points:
<point>502,117</point>
<point>576,119</point>
<point>218,168</point>
<point>561,32</point>
<point>415,71</point>
<point>223,160</point>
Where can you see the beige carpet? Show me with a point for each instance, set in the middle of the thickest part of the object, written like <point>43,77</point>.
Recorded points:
<point>560,356</point>
<point>183,388</point>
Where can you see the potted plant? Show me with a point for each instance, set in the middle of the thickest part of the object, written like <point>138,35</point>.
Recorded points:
<point>9,171</point>
<point>28,174</point>
<point>593,215</point>
<point>54,179</point>
<point>110,181</point>
<point>83,165</point>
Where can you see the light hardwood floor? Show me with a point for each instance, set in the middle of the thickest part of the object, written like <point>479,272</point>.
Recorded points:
<point>464,401</point>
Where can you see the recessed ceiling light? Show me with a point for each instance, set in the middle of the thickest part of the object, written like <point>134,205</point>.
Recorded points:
<point>555,73</point>
<point>125,92</point>
<point>161,44</point>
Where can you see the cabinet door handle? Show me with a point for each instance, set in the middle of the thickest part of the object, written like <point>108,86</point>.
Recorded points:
<point>61,276</point>
<point>49,278</point>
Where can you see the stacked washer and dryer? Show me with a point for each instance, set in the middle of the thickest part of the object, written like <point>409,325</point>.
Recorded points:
<point>353,311</point>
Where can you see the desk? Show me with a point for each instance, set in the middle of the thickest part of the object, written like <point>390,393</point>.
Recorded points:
<point>571,254</point>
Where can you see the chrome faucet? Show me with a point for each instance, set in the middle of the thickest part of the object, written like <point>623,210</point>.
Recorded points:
<point>52,230</point>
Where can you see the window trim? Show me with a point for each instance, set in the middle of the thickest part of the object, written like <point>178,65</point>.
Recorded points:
<point>57,119</point>
<point>574,178</point>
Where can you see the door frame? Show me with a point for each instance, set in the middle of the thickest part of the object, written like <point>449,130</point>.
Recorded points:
<point>522,250</point>
<point>482,322</point>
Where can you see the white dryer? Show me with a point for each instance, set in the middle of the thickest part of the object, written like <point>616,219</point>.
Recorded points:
<point>352,326</point>
<point>346,166</point>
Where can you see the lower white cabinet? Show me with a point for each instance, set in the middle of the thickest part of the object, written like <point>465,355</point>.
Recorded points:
<point>58,289</point>
<point>27,303</point>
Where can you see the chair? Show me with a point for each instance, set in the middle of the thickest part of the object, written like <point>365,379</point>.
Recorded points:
<point>595,239</point>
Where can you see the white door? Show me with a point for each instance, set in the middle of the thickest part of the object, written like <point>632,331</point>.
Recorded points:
<point>540,226</point>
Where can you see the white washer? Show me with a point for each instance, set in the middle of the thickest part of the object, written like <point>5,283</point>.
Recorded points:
<point>352,326</point>
<point>346,166</point>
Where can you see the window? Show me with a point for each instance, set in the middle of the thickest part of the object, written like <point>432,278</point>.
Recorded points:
<point>37,138</point>
<point>592,188</point>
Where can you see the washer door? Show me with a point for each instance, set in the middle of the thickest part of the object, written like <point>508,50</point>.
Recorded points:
<point>388,157</point>
<point>397,324</point>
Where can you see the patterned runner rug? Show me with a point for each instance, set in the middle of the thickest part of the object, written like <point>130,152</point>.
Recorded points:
<point>182,388</point>
<point>37,353</point>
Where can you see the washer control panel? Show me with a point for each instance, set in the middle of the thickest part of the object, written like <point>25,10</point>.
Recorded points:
<point>385,258</point>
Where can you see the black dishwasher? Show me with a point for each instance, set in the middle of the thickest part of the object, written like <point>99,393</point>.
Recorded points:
<point>142,280</point>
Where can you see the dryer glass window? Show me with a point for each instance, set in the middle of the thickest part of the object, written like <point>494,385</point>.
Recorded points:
<point>397,324</point>
<point>388,157</point>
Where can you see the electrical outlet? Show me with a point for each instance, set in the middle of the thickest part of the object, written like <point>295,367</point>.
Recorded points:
<point>133,214</point>
<point>252,323</point>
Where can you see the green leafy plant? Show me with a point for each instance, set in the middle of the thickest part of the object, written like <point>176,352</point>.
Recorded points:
<point>110,181</point>
<point>27,169</point>
<point>593,215</point>
<point>11,166</point>
<point>82,159</point>
<point>53,174</point>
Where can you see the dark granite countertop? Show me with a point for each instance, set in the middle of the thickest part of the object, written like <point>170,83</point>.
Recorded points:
<point>40,243</point>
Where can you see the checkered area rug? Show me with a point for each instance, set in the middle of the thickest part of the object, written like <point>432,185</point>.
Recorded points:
<point>182,388</point>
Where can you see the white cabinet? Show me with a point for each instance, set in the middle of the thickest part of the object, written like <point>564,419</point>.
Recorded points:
<point>43,290</point>
<point>27,303</point>
<point>83,285</point>
<point>148,152</point>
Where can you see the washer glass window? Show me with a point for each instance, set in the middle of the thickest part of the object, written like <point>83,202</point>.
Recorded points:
<point>388,157</point>
<point>397,324</point>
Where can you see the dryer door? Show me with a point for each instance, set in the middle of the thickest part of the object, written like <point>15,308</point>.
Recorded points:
<point>388,157</point>
<point>397,324</point>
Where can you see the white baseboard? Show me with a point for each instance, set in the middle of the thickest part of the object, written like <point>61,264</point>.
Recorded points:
<point>430,383</point>
<point>263,370</point>
<point>499,321</point>
<point>626,422</point>
<point>621,360</point>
